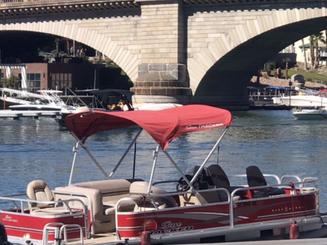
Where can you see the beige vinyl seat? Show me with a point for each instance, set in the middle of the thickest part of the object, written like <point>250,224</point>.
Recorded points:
<point>100,197</point>
<point>39,190</point>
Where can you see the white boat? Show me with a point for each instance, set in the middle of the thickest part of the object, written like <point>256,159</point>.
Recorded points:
<point>304,99</point>
<point>18,97</point>
<point>36,107</point>
<point>44,100</point>
<point>310,114</point>
<point>203,206</point>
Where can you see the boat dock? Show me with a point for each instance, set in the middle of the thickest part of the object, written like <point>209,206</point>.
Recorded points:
<point>316,241</point>
<point>15,114</point>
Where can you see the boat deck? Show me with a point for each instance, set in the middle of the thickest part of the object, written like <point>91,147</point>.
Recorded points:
<point>316,241</point>
<point>17,114</point>
<point>99,239</point>
<point>107,240</point>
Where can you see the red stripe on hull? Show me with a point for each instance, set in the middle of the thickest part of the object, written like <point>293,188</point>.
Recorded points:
<point>212,216</point>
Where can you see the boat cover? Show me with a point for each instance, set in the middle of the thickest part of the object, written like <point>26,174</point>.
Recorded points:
<point>163,126</point>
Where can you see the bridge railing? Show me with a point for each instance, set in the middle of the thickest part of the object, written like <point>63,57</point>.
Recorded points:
<point>31,3</point>
<point>44,1</point>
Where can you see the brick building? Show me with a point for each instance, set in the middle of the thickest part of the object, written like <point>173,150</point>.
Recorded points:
<point>61,75</point>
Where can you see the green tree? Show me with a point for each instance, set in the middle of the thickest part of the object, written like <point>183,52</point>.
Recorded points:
<point>304,55</point>
<point>269,67</point>
<point>11,82</point>
<point>314,48</point>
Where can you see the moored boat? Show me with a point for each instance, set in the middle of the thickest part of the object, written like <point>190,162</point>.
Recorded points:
<point>44,100</point>
<point>306,99</point>
<point>310,114</point>
<point>203,206</point>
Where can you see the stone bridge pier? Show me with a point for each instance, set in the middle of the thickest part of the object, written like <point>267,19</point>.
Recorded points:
<point>162,75</point>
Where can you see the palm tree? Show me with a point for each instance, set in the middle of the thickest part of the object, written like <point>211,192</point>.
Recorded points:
<point>312,53</point>
<point>314,49</point>
<point>304,55</point>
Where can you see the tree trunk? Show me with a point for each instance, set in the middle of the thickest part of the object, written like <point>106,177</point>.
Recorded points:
<point>316,53</point>
<point>304,55</point>
<point>312,53</point>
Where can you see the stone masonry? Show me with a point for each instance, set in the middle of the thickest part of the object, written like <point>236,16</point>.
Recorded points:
<point>169,48</point>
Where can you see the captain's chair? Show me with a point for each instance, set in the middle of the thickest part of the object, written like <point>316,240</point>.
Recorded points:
<point>218,177</point>
<point>256,179</point>
<point>39,190</point>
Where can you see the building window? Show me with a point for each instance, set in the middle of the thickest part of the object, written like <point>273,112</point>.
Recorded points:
<point>33,81</point>
<point>60,81</point>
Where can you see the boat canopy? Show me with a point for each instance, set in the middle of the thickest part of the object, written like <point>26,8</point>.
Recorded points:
<point>163,126</point>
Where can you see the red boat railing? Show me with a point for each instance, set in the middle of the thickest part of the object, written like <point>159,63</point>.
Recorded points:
<point>294,189</point>
<point>25,205</point>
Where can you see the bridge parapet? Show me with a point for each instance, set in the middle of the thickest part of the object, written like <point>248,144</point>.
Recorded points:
<point>247,2</point>
<point>7,4</point>
<point>20,6</point>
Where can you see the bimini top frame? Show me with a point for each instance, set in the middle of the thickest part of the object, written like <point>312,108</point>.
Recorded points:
<point>163,126</point>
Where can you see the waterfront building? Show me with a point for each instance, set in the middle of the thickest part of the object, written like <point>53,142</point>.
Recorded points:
<point>58,76</point>
<point>302,50</point>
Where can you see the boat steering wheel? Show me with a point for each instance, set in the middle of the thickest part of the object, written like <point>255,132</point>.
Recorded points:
<point>182,186</point>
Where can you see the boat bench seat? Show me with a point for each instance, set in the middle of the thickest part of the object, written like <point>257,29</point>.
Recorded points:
<point>111,200</point>
<point>53,212</point>
<point>100,197</point>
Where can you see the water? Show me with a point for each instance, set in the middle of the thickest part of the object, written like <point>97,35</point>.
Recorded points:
<point>273,140</point>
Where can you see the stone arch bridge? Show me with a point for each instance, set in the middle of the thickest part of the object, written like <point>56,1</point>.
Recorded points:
<point>176,50</point>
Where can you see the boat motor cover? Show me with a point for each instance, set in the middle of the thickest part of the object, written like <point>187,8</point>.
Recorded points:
<point>163,125</point>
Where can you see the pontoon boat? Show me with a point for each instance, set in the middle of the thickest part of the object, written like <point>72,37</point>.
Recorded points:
<point>203,207</point>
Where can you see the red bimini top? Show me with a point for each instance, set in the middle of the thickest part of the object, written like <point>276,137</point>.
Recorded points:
<point>163,126</point>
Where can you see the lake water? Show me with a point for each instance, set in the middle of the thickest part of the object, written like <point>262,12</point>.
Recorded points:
<point>273,140</point>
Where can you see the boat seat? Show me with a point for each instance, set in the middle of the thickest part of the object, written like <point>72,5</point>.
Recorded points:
<point>139,189</point>
<point>218,176</point>
<point>219,179</point>
<point>100,197</point>
<point>52,211</point>
<point>203,181</point>
<point>39,190</point>
<point>255,178</point>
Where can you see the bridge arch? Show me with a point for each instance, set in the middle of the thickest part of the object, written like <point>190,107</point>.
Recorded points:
<point>88,32</point>
<point>167,46</point>
<point>239,47</point>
